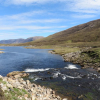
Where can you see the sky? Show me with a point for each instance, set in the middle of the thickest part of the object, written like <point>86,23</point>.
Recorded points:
<point>28,18</point>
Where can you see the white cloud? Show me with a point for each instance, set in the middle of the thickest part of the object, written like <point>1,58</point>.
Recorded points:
<point>80,6</point>
<point>40,21</point>
<point>22,27</point>
<point>29,27</point>
<point>27,21</point>
<point>22,15</point>
<point>86,6</point>
<point>83,16</point>
<point>29,17</point>
<point>25,2</point>
<point>10,35</point>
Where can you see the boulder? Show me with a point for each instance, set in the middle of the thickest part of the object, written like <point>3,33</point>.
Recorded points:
<point>98,69</point>
<point>14,73</point>
<point>65,99</point>
<point>17,74</point>
<point>9,85</point>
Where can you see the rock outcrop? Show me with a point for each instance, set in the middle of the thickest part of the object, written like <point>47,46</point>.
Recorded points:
<point>15,88</point>
<point>86,58</point>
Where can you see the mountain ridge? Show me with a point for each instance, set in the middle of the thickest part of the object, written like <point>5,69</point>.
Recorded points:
<point>20,40</point>
<point>87,32</point>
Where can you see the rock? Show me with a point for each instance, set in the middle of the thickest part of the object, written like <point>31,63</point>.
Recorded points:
<point>14,73</point>
<point>10,80</point>
<point>98,69</point>
<point>16,76</point>
<point>4,87</point>
<point>5,79</point>
<point>26,95</point>
<point>9,85</point>
<point>81,96</point>
<point>52,51</point>
<point>33,97</point>
<point>1,77</point>
<point>21,80</point>
<point>27,82</point>
<point>15,83</point>
<point>25,75</point>
<point>65,99</point>
<point>20,87</point>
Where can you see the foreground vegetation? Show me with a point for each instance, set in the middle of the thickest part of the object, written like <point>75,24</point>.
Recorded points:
<point>12,93</point>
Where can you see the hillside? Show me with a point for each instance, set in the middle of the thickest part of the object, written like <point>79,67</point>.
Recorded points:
<point>88,32</point>
<point>15,41</point>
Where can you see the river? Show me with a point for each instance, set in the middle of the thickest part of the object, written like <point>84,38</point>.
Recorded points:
<point>67,79</point>
<point>21,59</point>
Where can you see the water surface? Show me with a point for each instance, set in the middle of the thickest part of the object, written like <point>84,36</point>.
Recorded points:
<point>20,59</point>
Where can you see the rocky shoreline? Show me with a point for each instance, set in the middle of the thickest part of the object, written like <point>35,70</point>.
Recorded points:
<point>85,58</point>
<point>14,87</point>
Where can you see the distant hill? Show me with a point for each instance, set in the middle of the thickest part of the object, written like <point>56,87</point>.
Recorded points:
<point>16,41</point>
<point>88,32</point>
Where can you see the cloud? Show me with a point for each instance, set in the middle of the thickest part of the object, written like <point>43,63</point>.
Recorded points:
<point>30,17</point>
<point>81,16</point>
<point>23,15</point>
<point>26,2</point>
<point>47,20</point>
<point>29,27</point>
<point>10,35</point>
<point>80,6</point>
<point>40,21</point>
<point>28,21</point>
<point>84,6</point>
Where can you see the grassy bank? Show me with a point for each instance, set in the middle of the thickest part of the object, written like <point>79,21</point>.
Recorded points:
<point>57,49</point>
<point>64,50</point>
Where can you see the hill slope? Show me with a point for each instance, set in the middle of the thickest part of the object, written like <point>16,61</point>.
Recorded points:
<point>88,32</point>
<point>15,41</point>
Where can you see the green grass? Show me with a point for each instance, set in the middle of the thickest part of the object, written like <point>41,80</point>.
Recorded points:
<point>57,49</point>
<point>14,93</point>
<point>64,50</point>
<point>92,55</point>
<point>2,81</point>
<point>89,96</point>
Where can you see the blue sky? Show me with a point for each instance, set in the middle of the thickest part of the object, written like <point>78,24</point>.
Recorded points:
<point>27,18</point>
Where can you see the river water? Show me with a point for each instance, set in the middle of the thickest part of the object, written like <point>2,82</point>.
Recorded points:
<point>67,79</point>
<point>21,59</point>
